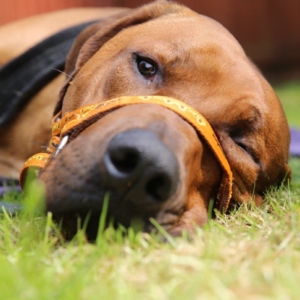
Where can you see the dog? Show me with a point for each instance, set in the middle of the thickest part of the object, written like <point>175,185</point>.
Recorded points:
<point>149,160</point>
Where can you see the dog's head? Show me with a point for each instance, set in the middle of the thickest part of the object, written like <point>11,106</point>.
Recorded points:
<point>150,160</point>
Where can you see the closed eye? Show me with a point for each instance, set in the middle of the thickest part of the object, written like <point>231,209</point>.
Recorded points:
<point>248,149</point>
<point>243,146</point>
<point>238,136</point>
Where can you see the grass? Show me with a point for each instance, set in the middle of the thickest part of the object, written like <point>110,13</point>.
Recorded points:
<point>289,94</point>
<point>253,253</point>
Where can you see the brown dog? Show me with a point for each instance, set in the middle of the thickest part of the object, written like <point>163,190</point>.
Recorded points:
<point>152,162</point>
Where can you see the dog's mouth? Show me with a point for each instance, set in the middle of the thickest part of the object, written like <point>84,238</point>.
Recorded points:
<point>122,162</point>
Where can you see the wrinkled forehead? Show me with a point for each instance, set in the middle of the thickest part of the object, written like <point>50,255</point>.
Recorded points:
<point>175,35</point>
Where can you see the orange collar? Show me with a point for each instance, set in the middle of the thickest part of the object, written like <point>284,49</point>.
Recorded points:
<point>74,122</point>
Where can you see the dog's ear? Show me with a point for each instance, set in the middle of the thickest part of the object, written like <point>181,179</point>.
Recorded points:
<point>88,33</point>
<point>95,36</point>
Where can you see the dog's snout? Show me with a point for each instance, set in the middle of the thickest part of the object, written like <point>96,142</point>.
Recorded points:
<point>141,167</point>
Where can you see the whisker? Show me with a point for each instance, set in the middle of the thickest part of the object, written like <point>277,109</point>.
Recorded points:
<point>66,57</point>
<point>62,72</point>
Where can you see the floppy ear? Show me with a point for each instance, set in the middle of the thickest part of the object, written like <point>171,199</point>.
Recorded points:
<point>96,35</point>
<point>85,35</point>
<point>72,56</point>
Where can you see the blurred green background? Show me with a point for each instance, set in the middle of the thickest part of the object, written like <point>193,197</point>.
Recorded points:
<point>289,94</point>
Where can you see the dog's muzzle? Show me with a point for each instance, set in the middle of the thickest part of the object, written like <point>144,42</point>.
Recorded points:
<point>67,128</point>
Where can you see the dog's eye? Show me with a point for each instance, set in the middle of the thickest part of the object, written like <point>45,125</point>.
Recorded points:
<point>146,67</point>
<point>242,146</point>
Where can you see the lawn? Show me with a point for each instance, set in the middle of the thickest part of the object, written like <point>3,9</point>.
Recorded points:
<point>253,253</point>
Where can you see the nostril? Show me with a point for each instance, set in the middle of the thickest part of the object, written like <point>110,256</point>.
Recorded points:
<point>124,159</point>
<point>159,187</point>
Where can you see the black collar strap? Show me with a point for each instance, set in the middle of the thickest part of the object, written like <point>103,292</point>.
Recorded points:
<point>25,75</point>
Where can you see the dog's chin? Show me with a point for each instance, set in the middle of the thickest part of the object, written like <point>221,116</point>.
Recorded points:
<point>107,206</point>
<point>114,211</point>
<point>72,221</point>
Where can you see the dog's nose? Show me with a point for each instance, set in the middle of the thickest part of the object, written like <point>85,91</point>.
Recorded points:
<point>140,167</point>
